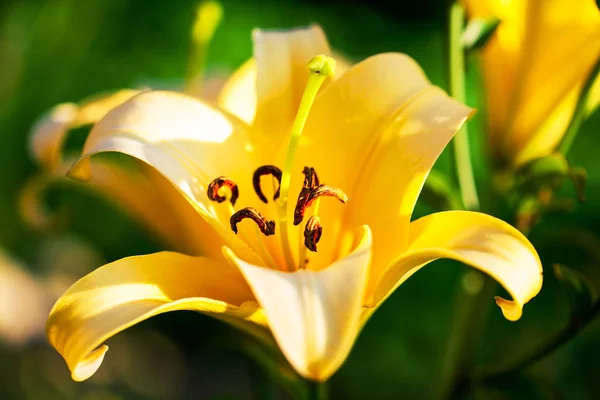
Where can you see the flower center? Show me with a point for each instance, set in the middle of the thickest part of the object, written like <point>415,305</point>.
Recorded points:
<point>320,67</point>
<point>311,193</point>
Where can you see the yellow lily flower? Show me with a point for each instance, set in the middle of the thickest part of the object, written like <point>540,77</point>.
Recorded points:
<point>534,67</point>
<point>373,132</point>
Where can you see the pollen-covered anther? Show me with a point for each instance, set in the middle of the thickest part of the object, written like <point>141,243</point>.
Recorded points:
<point>306,201</point>
<point>217,184</point>
<point>266,170</point>
<point>266,227</point>
<point>312,232</point>
<point>311,179</point>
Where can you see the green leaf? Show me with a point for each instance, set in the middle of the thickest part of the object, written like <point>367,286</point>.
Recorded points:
<point>440,193</point>
<point>478,32</point>
<point>581,294</point>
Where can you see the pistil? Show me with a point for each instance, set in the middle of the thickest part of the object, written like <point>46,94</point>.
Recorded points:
<point>320,68</point>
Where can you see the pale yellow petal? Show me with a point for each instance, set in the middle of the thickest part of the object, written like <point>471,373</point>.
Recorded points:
<point>238,95</point>
<point>314,315</point>
<point>390,182</point>
<point>281,75</point>
<point>50,132</point>
<point>475,239</point>
<point>345,125</point>
<point>185,140</point>
<point>31,202</point>
<point>138,189</point>
<point>145,194</point>
<point>123,293</point>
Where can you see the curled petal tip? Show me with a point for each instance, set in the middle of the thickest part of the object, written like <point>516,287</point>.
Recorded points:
<point>511,310</point>
<point>89,365</point>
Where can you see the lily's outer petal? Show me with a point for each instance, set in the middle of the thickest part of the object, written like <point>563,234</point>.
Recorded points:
<point>344,126</point>
<point>123,293</point>
<point>136,188</point>
<point>314,315</point>
<point>390,182</point>
<point>238,95</point>
<point>475,239</point>
<point>186,141</point>
<point>50,132</point>
<point>281,58</point>
<point>140,191</point>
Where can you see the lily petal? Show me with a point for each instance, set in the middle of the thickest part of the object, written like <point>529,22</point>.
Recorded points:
<point>142,192</point>
<point>344,126</point>
<point>188,142</point>
<point>281,58</point>
<point>392,179</point>
<point>314,315</point>
<point>123,293</point>
<point>50,132</point>
<point>238,95</point>
<point>475,239</point>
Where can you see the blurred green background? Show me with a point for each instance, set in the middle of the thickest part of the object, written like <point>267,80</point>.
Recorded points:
<point>54,51</point>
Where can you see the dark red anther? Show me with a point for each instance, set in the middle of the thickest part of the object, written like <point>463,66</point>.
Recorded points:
<point>266,227</point>
<point>311,180</point>
<point>312,233</point>
<point>266,170</point>
<point>306,201</point>
<point>213,190</point>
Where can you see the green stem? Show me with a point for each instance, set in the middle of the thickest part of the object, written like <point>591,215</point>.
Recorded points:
<point>317,390</point>
<point>469,306</point>
<point>581,110</point>
<point>462,155</point>
<point>561,338</point>
<point>467,323</point>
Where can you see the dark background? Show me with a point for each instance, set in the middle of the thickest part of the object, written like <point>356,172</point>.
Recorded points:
<point>54,51</point>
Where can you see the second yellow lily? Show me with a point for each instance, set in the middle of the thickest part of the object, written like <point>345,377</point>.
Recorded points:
<point>534,68</point>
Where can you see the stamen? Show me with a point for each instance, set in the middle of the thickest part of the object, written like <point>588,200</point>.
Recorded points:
<point>312,233</point>
<point>266,227</point>
<point>213,190</point>
<point>321,190</point>
<point>311,179</point>
<point>320,68</point>
<point>266,170</point>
